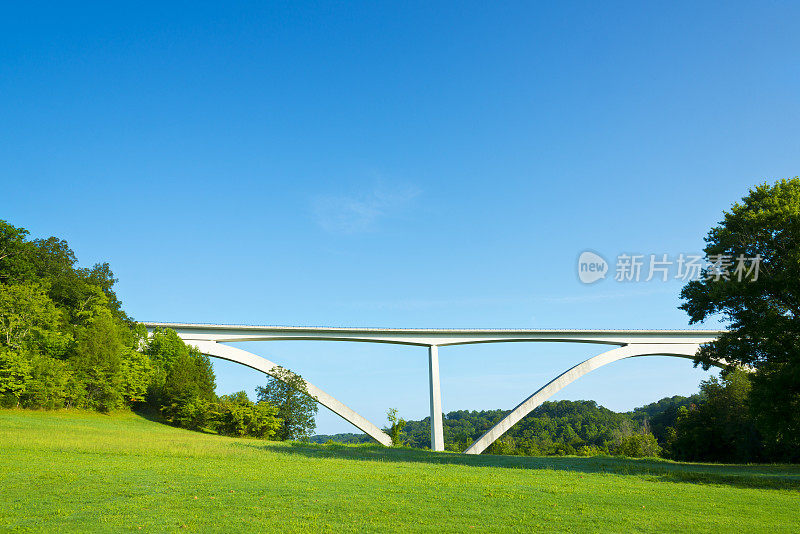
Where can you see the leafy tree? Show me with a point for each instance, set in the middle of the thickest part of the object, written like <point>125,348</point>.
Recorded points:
<point>137,374</point>
<point>505,444</point>
<point>193,413</point>
<point>14,375</point>
<point>98,361</point>
<point>102,277</point>
<point>52,385</point>
<point>661,416</point>
<point>397,424</point>
<point>180,372</point>
<point>763,312</point>
<point>628,440</point>
<point>239,416</point>
<point>640,445</point>
<point>720,428</point>
<point>15,263</point>
<point>190,379</point>
<point>164,346</point>
<point>29,320</point>
<point>297,409</point>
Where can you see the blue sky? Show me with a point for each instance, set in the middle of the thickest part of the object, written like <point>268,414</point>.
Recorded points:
<point>404,165</point>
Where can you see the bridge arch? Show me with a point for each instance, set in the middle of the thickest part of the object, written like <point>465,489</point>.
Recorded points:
<point>248,359</point>
<point>680,350</point>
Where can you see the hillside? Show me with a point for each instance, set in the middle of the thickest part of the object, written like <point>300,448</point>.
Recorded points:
<point>84,471</point>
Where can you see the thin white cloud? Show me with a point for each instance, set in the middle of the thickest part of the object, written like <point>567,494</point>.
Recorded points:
<point>357,214</point>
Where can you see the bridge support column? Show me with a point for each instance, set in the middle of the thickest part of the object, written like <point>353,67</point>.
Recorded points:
<point>437,431</point>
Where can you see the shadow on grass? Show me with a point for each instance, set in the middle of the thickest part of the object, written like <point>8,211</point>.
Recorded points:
<point>760,476</point>
<point>155,416</point>
<point>151,415</point>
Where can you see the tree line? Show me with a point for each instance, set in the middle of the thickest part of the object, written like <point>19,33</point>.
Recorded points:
<point>66,342</point>
<point>716,424</point>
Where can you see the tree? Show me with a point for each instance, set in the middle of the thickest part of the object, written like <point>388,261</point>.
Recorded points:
<point>102,277</point>
<point>15,263</point>
<point>720,428</point>
<point>52,385</point>
<point>762,310</point>
<point>193,413</point>
<point>396,427</point>
<point>189,380</point>
<point>239,416</point>
<point>661,416</point>
<point>287,391</point>
<point>14,375</point>
<point>29,320</point>
<point>627,440</point>
<point>98,360</point>
<point>180,372</point>
<point>137,374</point>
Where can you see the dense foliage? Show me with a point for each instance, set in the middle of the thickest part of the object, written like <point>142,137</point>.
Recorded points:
<point>661,416</point>
<point>238,416</point>
<point>721,427</point>
<point>762,310</point>
<point>64,339</point>
<point>66,342</point>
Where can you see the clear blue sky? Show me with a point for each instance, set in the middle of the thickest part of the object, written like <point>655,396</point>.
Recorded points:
<point>404,164</point>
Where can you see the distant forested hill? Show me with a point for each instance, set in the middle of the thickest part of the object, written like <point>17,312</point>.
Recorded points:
<point>554,428</point>
<point>341,438</point>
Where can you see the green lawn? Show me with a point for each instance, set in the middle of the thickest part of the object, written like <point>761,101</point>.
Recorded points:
<point>79,471</point>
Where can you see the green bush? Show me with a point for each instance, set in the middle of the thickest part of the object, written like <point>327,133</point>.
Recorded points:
<point>238,416</point>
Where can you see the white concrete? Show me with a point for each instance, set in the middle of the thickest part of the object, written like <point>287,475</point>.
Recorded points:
<point>681,343</point>
<point>427,337</point>
<point>437,428</point>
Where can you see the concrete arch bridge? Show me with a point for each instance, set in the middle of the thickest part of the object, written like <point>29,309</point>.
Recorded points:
<point>213,339</point>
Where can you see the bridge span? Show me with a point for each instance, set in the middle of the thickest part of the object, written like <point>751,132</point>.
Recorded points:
<point>213,339</point>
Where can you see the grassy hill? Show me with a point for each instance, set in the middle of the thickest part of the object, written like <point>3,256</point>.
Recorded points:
<point>82,471</point>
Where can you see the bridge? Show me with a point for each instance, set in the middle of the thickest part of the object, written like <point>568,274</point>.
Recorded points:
<point>213,339</point>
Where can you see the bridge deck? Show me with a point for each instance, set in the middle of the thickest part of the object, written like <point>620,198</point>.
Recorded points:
<point>432,336</point>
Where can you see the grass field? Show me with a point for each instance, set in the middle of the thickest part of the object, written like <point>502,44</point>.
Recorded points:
<point>78,471</point>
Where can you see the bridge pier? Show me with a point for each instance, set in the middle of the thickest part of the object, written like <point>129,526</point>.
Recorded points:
<point>437,430</point>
